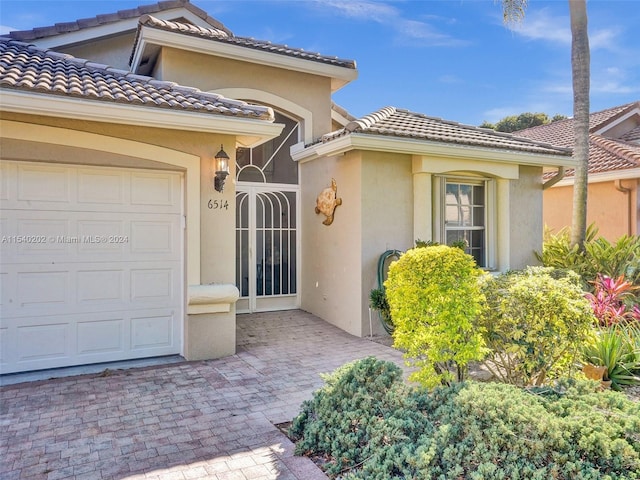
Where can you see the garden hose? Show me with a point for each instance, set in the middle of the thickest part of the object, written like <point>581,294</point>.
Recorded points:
<point>393,254</point>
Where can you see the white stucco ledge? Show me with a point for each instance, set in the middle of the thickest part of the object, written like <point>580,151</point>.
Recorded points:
<point>214,298</point>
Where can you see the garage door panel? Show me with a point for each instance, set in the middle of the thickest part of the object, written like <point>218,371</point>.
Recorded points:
<point>153,237</point>
<point>45,187</point>
<point>7,291</point>
<point>56,341</point>
<point>59,236</point>
<point>101,336</point>
<point>101,287</point>
<point>41,183</point>
<point>102,236</point>
<point>5,345</point>
<point>36,235</point>
<point>99,187</point>
<point>43,342</point>
<point>151,332</point>
<point>37,290</point>
<point>153,190</point>
<point>91,269</point>
<point>83,287</point>
<point>5,173</point>
<point>152,285</point>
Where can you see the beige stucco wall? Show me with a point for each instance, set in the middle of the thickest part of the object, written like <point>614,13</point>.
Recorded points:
<point>613,212</point>
<point>331,261</point>
<point>209,73</point>
<point>214,260</point>
<point>525,221</point>
<point>113,51</point>
<point>340,260</point>
<point>388,204</point>
<point>387,220</point>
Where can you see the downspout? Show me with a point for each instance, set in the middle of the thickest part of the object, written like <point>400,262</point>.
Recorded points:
<point>555,179</point>
<point>627,192</point>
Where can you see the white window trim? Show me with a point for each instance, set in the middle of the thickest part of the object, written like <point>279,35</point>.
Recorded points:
<point>491,212</point>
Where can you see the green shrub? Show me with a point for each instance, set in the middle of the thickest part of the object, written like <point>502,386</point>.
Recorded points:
<point>598,257</point>
<point>434,295</point>
<point>534,325</point>
<point>369,426</point>
<point>618,349</point>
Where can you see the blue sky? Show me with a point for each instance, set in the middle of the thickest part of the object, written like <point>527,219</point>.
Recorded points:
<point>453,59</point>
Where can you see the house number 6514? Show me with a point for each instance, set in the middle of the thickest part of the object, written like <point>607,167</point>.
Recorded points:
<point>218,204</point>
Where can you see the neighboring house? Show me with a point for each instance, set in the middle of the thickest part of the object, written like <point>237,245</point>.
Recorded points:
<point>613,203</point>
<point>116,244</point>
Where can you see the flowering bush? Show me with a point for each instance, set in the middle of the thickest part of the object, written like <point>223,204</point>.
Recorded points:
<point>608,300</point>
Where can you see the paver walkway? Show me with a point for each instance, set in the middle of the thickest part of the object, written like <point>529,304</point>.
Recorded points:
<point>192,420</point>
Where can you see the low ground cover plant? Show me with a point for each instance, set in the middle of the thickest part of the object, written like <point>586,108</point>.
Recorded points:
<point>367,424</point>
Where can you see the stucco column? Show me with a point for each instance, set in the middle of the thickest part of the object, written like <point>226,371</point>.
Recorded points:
<point>503,229</point>
<point>422,207</point>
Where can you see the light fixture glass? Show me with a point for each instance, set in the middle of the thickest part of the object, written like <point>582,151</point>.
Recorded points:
<point>221,165</point>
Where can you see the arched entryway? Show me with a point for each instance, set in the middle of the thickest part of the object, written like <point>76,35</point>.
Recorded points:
<point>267,223</point>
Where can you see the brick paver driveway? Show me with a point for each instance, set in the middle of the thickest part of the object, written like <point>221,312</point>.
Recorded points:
<point>211,419</point>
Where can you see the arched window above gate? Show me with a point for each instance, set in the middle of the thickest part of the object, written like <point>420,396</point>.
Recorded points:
<point>271,162</point>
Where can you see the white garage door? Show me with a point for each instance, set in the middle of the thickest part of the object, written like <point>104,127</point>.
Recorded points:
<point>91,265</point>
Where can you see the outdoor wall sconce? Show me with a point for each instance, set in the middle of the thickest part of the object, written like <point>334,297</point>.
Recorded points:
<point>221,166</point>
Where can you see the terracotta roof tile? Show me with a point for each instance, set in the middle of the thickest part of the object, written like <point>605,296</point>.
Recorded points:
<point>391,121</point>
<point>605,154</point>
<point>27,68</point>
<point>225,36</point>
<point>103,19</point>
<point>631,135</point>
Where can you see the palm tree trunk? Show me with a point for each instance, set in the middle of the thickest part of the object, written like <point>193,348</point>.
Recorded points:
<point>580,66</point>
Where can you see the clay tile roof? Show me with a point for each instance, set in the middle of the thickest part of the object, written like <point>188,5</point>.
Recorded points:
<point>631,135</point>
<point>27,68</point>
<point>391,121</point>
<point>60,28</point>
<point>605,154</point>
<point>226,36</point>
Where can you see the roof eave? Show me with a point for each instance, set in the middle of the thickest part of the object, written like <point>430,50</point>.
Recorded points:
<point>633,109</point>
<point>610,176</point>
<point>248,132</point>
<point>410,146</point>
<point>147,36</point>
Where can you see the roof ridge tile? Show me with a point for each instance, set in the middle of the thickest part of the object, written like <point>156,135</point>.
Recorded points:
<point>369,120</point>
<point>107,18</point>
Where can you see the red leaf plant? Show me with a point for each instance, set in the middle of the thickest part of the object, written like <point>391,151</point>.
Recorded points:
<point>607,300</point>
